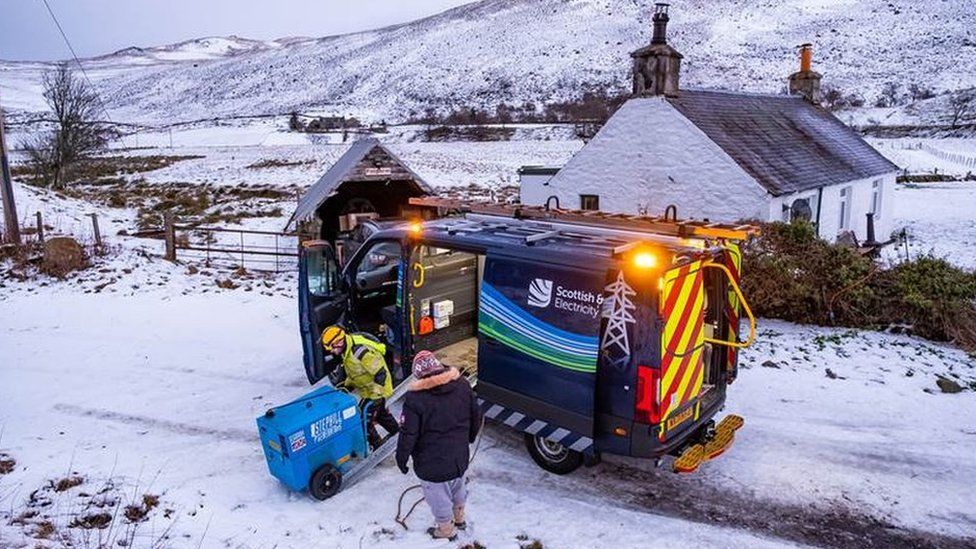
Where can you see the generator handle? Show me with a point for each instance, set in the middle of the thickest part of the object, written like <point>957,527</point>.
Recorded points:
<point>745,307</point>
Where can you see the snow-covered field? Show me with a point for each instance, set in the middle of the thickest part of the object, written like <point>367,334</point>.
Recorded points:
<point>150,384</point>
<point>940,218</point>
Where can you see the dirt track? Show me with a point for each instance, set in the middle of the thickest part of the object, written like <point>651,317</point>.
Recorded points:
<point>659,491</point>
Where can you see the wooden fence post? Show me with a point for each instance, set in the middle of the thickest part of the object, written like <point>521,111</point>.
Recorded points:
<point>170,236</point>
<point>40,228</point>
<point>98,234</point>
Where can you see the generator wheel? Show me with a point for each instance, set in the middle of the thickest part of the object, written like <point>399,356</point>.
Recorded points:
<point>552,456</point>
<point>326,482</point>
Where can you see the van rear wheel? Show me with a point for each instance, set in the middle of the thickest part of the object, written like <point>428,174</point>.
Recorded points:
<point>552,456</point>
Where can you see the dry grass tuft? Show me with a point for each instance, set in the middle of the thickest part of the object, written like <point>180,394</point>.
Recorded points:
<point>7,464</point>
<point>279,163</point>
<point>92,521</point>
<point>68,483</point>
<point>139,512</point>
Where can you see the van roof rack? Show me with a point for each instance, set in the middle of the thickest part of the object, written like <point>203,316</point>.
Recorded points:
<point>663,225</point>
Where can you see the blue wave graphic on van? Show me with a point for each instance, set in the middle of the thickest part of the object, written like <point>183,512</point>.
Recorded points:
<point>505,321</point>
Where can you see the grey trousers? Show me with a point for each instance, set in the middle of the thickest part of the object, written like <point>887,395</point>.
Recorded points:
<point>443,497</point>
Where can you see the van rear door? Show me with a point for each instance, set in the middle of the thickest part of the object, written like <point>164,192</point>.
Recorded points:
<point>538,342</point>
<point>682,307</point>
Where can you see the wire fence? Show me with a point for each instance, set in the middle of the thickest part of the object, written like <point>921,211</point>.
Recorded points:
<point>34,235</point>
<point>958,158</point>
<point>250,249</point>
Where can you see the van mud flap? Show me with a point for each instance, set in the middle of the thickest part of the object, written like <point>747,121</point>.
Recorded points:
<point>719,441</point>
<point>536,427</point>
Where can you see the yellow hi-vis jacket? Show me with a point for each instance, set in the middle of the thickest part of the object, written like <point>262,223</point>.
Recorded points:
<point>366,370</point>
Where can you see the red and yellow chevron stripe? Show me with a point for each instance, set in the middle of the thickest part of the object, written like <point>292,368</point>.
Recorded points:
<point>682,308</point>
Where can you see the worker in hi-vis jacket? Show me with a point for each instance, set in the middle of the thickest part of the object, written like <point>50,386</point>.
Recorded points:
<point>364,371</point>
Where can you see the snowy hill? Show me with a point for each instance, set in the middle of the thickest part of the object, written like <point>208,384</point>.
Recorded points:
<point>213,47</point>
<point>536,50</point>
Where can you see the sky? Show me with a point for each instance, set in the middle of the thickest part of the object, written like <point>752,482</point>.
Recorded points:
<point>95,27</point>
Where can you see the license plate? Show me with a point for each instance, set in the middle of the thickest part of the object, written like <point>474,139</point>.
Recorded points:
<point>679,418</point>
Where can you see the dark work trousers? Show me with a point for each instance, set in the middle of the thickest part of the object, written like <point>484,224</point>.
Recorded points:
<point>378,414</point>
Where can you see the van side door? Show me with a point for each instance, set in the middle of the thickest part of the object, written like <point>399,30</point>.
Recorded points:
<point>538,347</point>
<point>322,301</point>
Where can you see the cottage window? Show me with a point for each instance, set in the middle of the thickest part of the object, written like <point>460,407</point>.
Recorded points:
<point>845,209</point>
<point>589,202</point>
<point>876,198</point>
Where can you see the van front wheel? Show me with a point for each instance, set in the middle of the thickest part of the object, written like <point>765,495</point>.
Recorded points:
<point>552,456</point>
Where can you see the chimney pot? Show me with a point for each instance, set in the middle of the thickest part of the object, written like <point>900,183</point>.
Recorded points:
<point>806,57</point>
<point>660,20</point>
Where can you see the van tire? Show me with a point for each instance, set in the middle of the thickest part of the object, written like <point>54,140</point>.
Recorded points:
<point>552,456</point>
<point>326,482</point>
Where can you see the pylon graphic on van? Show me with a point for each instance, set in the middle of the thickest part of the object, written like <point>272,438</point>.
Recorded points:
<point>616,343</point>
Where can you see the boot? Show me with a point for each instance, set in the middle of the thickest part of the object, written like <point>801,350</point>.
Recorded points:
<point>387,421</point>
<point>459,521</point>
<point>373,437</point>
<point>443,531</point>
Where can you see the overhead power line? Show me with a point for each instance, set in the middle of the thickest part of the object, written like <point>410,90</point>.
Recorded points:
<point>78,62</point>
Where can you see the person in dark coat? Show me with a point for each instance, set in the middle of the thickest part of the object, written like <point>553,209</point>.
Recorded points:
<point>440,418</point>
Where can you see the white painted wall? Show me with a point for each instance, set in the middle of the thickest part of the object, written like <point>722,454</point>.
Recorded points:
<point>648,156</point>
<point>533,189</point>
<point>860,204</point>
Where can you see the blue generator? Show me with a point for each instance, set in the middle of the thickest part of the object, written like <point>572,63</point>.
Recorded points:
<point>310,442</point>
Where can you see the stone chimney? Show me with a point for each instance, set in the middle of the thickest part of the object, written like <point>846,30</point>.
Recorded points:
<point>806,82</point>
<point>657,66</point>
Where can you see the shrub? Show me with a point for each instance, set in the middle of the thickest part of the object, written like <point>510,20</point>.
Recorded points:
<point>791,274</point>
<point>936,298</point>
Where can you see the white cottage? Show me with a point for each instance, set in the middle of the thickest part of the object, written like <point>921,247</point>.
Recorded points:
<point>723,156</point>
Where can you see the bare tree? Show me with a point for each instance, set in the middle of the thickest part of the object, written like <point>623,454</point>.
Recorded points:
<point>295,123</point>
<point>77,133</point>
<point>919,92</point>
<point>890,94</point>
<point>503,114</point>
<point>831,98</point>
<point>962,106</point>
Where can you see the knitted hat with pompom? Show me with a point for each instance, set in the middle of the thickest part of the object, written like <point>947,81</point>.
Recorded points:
<point>425,364</point>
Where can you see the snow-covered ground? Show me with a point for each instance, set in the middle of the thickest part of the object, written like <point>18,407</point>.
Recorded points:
<point>158,391</point>
<point>945,156</point>
<point>940,219</point>
<point>144,377</point>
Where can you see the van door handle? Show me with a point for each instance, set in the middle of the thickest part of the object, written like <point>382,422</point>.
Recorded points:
<point>491,341</point>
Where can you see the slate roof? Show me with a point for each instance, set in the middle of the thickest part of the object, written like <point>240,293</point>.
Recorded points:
<point>336,175</point>
<point>784,142</point>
